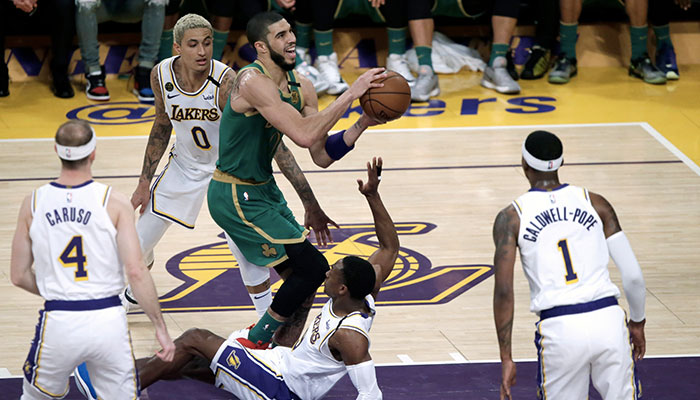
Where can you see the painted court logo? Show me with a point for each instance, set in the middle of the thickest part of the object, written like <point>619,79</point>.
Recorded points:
<point>118,113</point>
<point>212,282</point>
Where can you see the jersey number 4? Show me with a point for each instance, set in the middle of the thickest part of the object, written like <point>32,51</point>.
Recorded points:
<point>74,257</point>
<point>570,276</point>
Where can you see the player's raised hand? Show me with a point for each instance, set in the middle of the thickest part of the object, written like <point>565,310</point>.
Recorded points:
<point>374,175</point>
<point>366,81</point>
<point>316,219</point>
<point>507,378</point>
<point>167,353</point>
<point>141,196</point>
<point>639,342</point>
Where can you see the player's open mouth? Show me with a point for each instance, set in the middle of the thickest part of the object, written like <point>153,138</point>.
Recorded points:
<point>291,50</point>
<point>202,61</point>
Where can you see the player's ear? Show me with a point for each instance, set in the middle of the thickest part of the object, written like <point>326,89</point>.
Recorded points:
<point>260,46</point>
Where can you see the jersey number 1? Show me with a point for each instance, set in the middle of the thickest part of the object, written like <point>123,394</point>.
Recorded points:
<point>571,276</point>
<point>74,257</point>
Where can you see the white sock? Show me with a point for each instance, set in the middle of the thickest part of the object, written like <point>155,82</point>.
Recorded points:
<point>261,301</point>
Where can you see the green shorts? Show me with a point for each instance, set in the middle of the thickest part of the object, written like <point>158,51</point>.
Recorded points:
<point>255,216</point>
<point>358,7</point>
<point>455,8</point>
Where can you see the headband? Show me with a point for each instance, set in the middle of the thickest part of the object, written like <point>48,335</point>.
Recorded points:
<point>72,153</point>
<point>541,165</point>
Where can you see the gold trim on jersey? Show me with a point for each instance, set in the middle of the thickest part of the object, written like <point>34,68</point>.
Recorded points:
<point>177,86</point>
<point>216,91</point>
<point>104,199</point>
<point>38,361</point>
<point>242,383</point>
<point>259,230</point>
<point>33,201</point>
<point>153,199</point>
<point>221,176</point>
<point>544,375</point>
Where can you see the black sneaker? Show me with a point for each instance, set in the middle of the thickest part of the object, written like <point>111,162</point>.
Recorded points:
<point>537,63</point>
<point>142,84</point>
<point>510,65</point>
<point>643,69</point>
<point>96,88</point>
<point>61,86</point>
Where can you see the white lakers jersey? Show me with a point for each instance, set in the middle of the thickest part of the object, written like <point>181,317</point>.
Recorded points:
<point>195,117</point>
<point>74,242</point>
<point>562,248</point>
<point>311,358</point>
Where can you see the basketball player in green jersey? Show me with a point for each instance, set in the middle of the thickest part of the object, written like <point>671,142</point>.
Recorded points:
<point>269,100</point>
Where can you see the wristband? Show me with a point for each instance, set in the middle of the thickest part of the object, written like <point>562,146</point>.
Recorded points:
<point>336,147</point>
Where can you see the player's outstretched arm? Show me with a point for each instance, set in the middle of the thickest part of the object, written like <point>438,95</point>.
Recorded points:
<point>21,259</point>
<point>139,278</point>
<point>631,273</point>
<point>258,92</point>
<point>157,143</point>
<point>226,85</point>
<point>385,256</point>
<point>354,350</point>
<point>314,217</point>
<point>505,235</point>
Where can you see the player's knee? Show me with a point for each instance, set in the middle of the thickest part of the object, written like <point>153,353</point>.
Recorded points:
<point>191,338</point>
<point>308,262</point>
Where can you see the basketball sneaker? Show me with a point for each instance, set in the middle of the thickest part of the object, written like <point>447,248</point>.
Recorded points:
<point>537,63</point>
<point>60,85</point>
<point>82,381</point>
<point>510,66</point>
<point>303,53</point>
<point>496,77</point>
<point>142,84</point>
<point>426,86</point>
<point>666,62</point>
<point>328,67</point>
<point>643,69</point>
<point>96,88</point>
<point>399,64</point>
<point>564,69</point>
<point>312,74</point>
<point>241,336</point>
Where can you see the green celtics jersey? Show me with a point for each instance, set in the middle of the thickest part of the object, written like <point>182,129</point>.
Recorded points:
<point>247,142</point>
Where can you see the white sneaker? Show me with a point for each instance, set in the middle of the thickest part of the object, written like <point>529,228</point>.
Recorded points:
<point>303,53</point>
<point>426,86</point>
<point>328,67</point>
<point>498,79</point>
<point>312,74</point>
<point>398,63</point>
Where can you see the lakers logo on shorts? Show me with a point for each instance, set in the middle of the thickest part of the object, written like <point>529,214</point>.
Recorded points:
<point>268,251</point>
<point>210,272</point>
<point>232,360</point>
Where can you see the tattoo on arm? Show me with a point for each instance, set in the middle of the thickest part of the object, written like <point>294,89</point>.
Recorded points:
<point>289,167</point>
<point>505,332</point>
<point>226,88</point>
<point>157,143</point>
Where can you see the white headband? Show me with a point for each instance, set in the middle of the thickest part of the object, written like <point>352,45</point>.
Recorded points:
<point>541,165</point>
<point>72,153</point>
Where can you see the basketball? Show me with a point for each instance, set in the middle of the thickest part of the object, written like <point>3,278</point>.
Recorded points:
<point>389,102</point>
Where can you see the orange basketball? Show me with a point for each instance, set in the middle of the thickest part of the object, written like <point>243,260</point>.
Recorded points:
<point>389,102</point>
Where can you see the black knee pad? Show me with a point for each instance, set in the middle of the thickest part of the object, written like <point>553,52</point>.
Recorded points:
<point>308,271</point>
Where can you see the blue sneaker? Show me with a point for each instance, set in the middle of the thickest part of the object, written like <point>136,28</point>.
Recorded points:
<point>82,380</point>
<point>142,85</point>
<point>666,62</point>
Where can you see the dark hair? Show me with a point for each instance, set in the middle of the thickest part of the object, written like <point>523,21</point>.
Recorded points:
<point>257,28</point>
<point>359,276</point>
<point>74,133</point>
<point>544,145</point>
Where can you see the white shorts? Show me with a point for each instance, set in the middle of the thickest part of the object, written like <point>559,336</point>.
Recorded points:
<point>178,194</point>
<point>251,274</point>
<point>250,374</point>
<point>66,339</point>
<point>574,349</point>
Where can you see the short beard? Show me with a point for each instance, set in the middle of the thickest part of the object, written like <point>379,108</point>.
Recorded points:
<point>278,59</point>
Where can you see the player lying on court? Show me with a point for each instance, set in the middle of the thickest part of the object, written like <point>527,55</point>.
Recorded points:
<point>336,343</point>
<point>564,234</point>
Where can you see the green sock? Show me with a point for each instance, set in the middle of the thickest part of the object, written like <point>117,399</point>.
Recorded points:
<point>303,34</point>
<point>663,37</point>
<point>638,37</point>
<point>220,39</point>
<point>425,55</point>
<point>166,44</point>
<point>567,39</point>
<point>264,329</point>
<point>397,40</point>
<point>324,42</point>
<point>497,50</point>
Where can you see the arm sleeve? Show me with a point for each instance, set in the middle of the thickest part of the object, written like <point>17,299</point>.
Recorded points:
<point>364,378</point>
<point>632,279</point>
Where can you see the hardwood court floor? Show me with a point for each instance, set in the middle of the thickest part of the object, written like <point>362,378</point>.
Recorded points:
<point>443,186</point>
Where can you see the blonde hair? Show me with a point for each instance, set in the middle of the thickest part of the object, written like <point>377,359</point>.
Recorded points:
<point>187,22</point>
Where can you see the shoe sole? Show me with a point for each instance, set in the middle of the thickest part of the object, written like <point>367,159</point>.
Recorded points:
<point>432,93</point>
<point>142,98</point>
<point>97,98</point>
<point>499,89</point>
<point>672,76</point>
<point>659,81</point>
